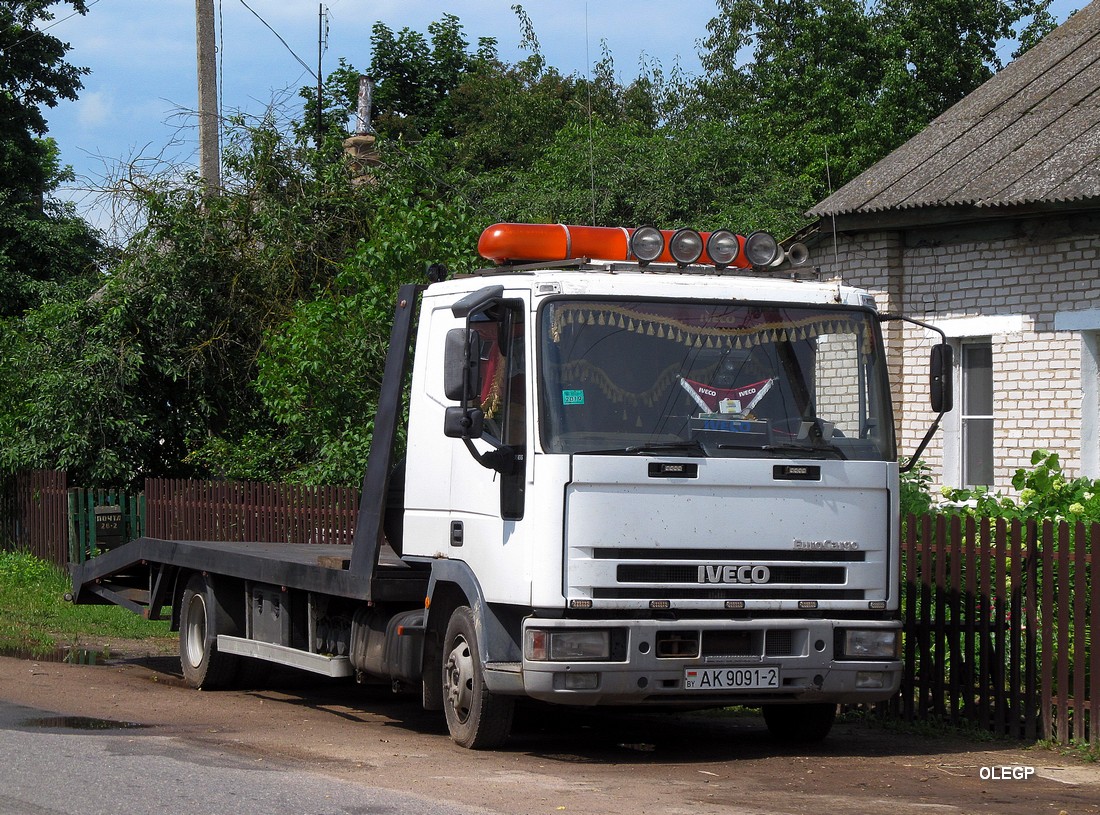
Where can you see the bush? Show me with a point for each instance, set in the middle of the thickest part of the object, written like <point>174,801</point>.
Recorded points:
<point>1044,494</point>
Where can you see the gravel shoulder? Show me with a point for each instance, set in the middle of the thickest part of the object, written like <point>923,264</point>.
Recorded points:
<point>562,760</point>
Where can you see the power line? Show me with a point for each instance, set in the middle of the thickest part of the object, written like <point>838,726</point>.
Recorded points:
<point>276,33</point>
<point>51,25</point>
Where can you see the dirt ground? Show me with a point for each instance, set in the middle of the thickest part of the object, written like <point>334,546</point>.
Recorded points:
<point>566,761</point>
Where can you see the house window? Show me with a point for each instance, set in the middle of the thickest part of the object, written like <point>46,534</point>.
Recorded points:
<point>977,412</point>
<point>1086,322</point>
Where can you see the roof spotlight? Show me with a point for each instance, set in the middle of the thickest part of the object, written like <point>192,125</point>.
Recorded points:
<point>723,247</point>
<point>761,249</point>
<point>686,246</point>
<point>646,244</point>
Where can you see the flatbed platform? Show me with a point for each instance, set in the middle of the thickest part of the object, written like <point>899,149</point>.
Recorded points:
<point>323,568</point>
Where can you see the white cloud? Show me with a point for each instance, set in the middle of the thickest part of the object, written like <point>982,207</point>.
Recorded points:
<point>95,109</point>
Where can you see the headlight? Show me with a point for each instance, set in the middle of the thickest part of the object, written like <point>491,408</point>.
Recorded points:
<point>567,646</point>
<point>874,643</point>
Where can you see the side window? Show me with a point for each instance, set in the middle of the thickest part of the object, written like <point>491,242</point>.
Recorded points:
<point>503,378</point>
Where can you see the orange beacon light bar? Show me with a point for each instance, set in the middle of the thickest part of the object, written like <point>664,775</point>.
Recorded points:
<point>503,243</point>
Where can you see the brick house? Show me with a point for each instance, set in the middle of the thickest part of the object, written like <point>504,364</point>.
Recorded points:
<point>987,225</point>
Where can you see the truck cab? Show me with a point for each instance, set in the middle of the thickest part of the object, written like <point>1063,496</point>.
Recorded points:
<point>656,484</point>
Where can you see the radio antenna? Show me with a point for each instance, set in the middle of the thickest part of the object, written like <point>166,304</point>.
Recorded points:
<point>591,149</point>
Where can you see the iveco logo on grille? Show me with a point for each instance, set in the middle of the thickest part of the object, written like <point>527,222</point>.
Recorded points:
<point>734,574</point>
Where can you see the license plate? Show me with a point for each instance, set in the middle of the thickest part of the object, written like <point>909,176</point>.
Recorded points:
<point>758,678</point>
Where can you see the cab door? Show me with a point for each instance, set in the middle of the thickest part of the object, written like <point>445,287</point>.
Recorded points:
<point>489,479</point>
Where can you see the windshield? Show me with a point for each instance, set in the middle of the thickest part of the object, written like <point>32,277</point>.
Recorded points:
<point>729,379</point>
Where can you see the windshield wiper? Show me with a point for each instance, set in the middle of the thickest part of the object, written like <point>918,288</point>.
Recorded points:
<point>805,451</point>
<point>692,446</point>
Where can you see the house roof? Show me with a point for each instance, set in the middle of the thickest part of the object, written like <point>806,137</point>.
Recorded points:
<point>1029,135</point>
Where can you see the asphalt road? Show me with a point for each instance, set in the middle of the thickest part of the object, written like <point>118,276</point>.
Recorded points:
<point>301,745</point>
<point>70,765</point>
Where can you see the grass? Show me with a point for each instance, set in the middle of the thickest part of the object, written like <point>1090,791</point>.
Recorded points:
<point>35,618</point>
<point>1083,751</point>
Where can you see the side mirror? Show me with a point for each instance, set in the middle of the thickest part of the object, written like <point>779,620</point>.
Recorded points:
<point>461,365</point>
<point>463,423</point>
<point>940,378</point>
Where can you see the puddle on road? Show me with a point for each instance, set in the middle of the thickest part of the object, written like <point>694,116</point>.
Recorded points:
<point>65,654</point>
<point>81,723</point>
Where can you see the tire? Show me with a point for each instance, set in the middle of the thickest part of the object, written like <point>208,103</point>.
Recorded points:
<point>476,718</point>
<point>201,620</point>
<point>800,724</point>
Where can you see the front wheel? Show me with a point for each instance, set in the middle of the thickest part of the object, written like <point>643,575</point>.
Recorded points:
<point>201,620</point>
<point>476,718</point>
<point>800,724</point>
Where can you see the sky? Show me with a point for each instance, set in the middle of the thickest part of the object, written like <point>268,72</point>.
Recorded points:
<point>138,102</point>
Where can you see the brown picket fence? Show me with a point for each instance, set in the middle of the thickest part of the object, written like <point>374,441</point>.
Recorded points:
<point>998,620</point>
<point>998,615</point>
<point>34,513</point>
<point>180,509</point>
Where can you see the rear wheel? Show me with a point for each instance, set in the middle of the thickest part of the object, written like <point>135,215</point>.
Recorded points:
<point>800,724</point>
<point>476,718</point>
<point>201,620</point>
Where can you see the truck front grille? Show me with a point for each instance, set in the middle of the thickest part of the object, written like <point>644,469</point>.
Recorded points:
<point>798,575</point>
<point>711,574</point>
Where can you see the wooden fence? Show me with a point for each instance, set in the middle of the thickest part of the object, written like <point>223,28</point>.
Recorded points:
<point>33,513</point>
<point>178,509</point>
<point>999,620</point>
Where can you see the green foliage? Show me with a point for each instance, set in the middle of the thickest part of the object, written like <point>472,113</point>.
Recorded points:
<point>34,615</point>
<point>242,334</point>
<point>832,86</point>
<point>125,379</point>
<point>1045,493</point>
<point>319,368</point>
<point>916,490</point>
<point>42,242</point>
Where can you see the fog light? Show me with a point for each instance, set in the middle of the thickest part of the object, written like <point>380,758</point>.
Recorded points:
<point>868,680</point>
<point>761,249</point>
<point>723,247</point>
<point>646,244</point>
<point>686,246</point>
<point>582,681</point>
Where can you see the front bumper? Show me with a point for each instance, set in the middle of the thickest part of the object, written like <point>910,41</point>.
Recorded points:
<point>648,665</point>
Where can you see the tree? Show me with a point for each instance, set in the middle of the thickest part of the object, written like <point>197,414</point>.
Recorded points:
<point>831,86</point>
<point>41,240</point>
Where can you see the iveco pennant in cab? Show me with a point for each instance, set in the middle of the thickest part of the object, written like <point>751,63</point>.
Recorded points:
<point>642,468</point>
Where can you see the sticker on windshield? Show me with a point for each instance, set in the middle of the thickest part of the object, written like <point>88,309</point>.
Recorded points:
<point>572,397</point>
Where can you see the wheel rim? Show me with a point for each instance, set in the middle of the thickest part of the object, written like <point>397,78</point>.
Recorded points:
<point>195,641</point>
<point>458,679</point>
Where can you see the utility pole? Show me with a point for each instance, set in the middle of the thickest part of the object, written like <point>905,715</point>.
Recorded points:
<point>321,37</point>
<point>209,153</point>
